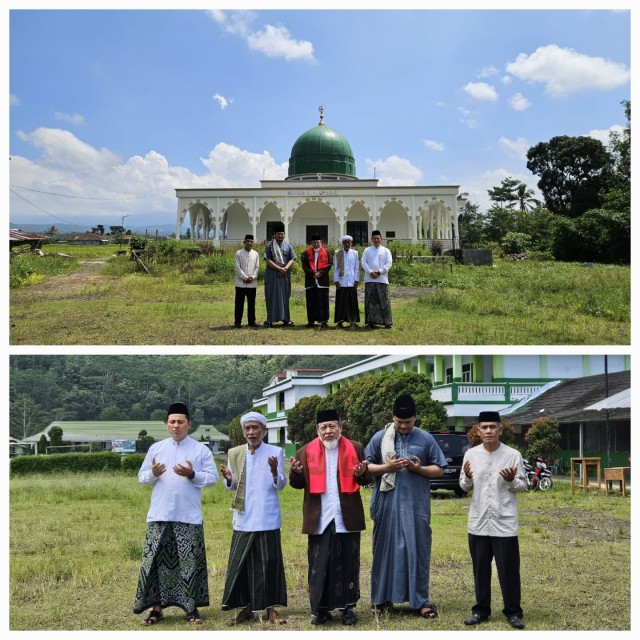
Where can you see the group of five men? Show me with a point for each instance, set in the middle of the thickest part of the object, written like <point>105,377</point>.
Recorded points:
<point>330,470</point>
<point>317,261</point>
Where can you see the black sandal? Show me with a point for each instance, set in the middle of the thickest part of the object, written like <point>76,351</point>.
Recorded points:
<point>429,611</point>
<point>153,617</point>
<point>194,617</point>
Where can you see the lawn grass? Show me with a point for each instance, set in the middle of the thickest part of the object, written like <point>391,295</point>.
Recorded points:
<point>524,303</point>
<point>76,543</point>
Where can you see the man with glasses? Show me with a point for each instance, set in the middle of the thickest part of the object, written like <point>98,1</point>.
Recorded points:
<point>495,473</point>
<point>331,469</point>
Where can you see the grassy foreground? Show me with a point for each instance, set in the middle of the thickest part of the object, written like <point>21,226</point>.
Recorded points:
<point>76,542</point>
<point>192,304</point>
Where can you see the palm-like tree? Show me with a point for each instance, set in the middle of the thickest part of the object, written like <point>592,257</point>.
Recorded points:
<point>526,201</point>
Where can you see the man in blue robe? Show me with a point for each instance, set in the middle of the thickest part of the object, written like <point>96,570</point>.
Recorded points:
<point>279,257</point>
<point>402,458</point>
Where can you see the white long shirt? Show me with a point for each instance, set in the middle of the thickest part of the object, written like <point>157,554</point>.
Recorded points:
<point>377,259</point>
<point>351,268</point>
<point>175,498</point>
<point>247,263</point>
<point>330,508</point>
<point>261,501</point>
<point>494,505</point>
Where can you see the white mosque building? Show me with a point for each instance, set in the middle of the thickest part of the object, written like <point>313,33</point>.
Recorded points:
<point>322,195</point>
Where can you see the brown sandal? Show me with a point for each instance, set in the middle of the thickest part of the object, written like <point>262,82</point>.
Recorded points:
<point>244,616</point>
<point>153,617</point>
<point>275,617</point>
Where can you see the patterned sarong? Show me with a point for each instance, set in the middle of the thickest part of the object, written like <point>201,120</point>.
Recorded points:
<point>174,568</point>
<point>255,573</point>
<point>377,304</point>
<point>334,569</point>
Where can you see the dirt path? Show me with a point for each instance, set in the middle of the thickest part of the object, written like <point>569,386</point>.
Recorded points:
<point>88,273</point>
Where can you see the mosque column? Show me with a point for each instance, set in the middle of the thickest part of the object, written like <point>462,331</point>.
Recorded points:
<point>414,221</point>
<point>254,221</point>
<point>217,219</point>
<point>178,219</point>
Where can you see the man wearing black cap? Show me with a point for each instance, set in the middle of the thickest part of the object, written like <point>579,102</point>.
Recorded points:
<point>402,458</point>
<point>331,469</point>
<point>495,473</point>
<point>316,263</point>
<point>247,266</point>
<point>279,256</point>
<point>174,562</point>
<point>376,262</point>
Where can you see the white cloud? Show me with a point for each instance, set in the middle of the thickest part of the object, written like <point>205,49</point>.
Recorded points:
<point>481,91</point>
<point>14,101</point>
<point>519,103</point>
<point>104,185</point>
<point>221,100</point>
<point>564,71</point>
<point>467,118</point>
<point>603,134</point>
<point>272,41</point>
<point>276,42</point>
<point>487,72</point>
<point>516,148</point>
<point>394,171</point>
<point>230,166</point>
<point>433,145</point>
<point>71,118</point>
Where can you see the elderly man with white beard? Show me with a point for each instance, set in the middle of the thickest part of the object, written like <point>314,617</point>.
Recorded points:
<point>331,469</point>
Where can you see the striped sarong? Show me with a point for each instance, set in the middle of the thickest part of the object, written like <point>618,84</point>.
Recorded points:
<point>255,573</point>
<point>174,568</point>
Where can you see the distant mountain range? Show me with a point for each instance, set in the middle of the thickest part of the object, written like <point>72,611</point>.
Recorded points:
<point>64,228</point>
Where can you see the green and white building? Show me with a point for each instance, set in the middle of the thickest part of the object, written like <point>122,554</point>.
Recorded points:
<point>466,384</point>
<point>321,195</point>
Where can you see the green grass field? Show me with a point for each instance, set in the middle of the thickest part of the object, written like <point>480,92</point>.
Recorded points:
<point>76,542</point>
<point>537,303</point>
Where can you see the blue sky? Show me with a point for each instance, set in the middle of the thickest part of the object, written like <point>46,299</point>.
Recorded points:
<point>118,108</point>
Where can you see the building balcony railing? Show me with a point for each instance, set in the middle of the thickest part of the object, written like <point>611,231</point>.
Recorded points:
<point>483,392</point>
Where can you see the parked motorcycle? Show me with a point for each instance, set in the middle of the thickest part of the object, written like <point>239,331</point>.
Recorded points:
<point>538,477</point>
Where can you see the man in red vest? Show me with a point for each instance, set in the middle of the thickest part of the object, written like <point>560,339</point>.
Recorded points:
<point>331,469</point>
<point>316,263</point>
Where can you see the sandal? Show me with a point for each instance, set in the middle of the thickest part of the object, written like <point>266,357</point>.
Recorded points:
<point>153,617</point>
<point>244,616</point>
<point>194,617</point>
<point>276,618</point>
<point>429,611</point>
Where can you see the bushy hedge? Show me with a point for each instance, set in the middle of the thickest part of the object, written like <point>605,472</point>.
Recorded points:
<point>132,462</point>
<point>76,462</point>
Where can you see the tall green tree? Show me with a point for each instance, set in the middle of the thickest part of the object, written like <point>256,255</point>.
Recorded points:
<point>573,172</point>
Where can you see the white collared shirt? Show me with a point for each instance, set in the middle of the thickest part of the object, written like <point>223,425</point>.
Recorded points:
<point>175,498</point>
<point>247,263</point>
<point>377,259</point>
<point>330,508</point>
<point>494,505</point>
<point>351,268</point>
<point>261,501</point>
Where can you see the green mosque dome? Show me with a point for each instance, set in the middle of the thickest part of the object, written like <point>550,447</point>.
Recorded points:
<point>323,152</point>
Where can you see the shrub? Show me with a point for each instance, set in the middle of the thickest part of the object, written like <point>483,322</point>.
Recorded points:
<point>514,242</point>
<point>132,462</point>
<point>62,462</point>
<point>543,439</point>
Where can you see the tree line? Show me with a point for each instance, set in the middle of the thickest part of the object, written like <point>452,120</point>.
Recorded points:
<point>585,215</point>
<point>47,388</point>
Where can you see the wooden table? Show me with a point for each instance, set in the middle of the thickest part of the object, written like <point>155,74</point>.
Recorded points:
<point>586,465</point>
<point>616,474</point>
